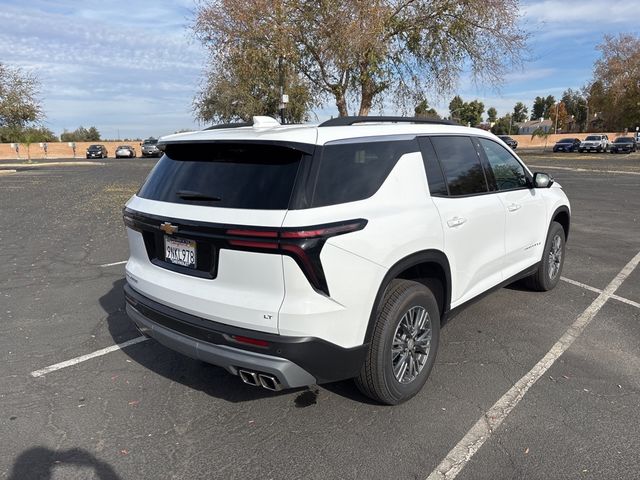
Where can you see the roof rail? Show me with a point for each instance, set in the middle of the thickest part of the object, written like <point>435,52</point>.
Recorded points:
<point>229,125</point>
<point>344,121</point>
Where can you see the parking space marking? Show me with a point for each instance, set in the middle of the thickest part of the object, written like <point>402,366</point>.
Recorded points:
<point>466,448</point>
<point>89,356</point>
<point>597,290</point>
<point>588,170</point>
<point>112,264</point>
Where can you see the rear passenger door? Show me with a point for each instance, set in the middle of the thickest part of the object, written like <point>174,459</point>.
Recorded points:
<point>472,216</point>
<point>526,216</point>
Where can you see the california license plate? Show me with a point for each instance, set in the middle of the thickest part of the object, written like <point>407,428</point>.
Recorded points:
<point>180,251</point>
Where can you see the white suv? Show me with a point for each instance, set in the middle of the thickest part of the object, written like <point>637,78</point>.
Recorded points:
<point>294,255</point>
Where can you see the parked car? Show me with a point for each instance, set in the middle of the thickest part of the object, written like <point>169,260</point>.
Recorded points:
<point>97,151</point>
<point>567,145</point>
<point>149,148</point>
<point>594,143</point>
<point>509,141</point>
<point>292,257</point>
<point>125,151</point>
<point>624,145</point>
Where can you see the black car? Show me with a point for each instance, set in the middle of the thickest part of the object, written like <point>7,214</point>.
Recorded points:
<point>567,145</point>
<point>624,144</point>
<point>509,141</point>
<point>97,151</point>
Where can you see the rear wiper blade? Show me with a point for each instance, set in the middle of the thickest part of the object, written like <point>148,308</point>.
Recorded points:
<point>191,195</point>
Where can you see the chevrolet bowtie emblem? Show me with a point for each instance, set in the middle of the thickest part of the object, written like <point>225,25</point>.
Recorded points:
<point>167,228</point>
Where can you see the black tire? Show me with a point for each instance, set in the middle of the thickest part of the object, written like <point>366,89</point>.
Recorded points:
<point>546,278</point>
<point>377,379</point>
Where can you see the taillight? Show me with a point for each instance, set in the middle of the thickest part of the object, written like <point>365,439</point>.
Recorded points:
<point>303,244</point>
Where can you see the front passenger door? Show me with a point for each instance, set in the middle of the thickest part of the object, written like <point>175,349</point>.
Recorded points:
<point>526,216</point>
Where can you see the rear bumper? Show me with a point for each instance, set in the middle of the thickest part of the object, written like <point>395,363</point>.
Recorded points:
<point>294,361</point>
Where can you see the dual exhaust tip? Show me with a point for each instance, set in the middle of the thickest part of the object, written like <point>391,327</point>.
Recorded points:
<point>260,380</point>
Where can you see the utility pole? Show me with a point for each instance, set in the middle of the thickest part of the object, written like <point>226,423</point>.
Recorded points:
<point>281,82</point>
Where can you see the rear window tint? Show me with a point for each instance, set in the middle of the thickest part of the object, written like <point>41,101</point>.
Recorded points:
<point>461,165</point>
<point>435,177</point>
<point>250,176</point>
<point>355,171</point>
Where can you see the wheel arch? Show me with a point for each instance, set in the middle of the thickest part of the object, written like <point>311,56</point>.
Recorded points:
<point>429,267</point>
<point>562,215</point>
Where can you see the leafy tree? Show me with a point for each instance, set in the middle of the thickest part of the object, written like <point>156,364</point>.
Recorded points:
<point>576,106</point>
<point>246,86</point>
<point>542,107</point>
<point>424,110</point>
<point>81,134</point>
<point>614,94</point>
<point>466,112</point>
<point>19,102</point>
<point>456,105</point>
<point>492,115</point>
<point>353,51</point>
<point>519,113</point>
<point>542,133</point>
<point>505,126</point>
<point>93,135</point>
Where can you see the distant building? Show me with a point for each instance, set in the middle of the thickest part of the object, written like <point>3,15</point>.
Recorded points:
<point>527,128</point>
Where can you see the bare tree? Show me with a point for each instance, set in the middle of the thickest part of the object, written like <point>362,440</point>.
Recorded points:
<point>354,50</point>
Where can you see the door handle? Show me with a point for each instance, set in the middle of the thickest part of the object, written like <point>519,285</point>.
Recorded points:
<point>456,222</point>
<point>514,207</point>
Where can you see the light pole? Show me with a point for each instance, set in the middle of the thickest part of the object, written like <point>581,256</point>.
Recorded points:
<point>556,129</point>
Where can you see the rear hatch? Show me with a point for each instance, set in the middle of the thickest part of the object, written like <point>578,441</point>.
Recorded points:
<point>194,223</point>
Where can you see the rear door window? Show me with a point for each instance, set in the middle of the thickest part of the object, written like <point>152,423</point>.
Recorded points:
<point>355,170</point>
<point>249,176</point>
<point>461,165</point>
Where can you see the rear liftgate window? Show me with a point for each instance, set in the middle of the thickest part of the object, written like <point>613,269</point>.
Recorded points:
<point>355,171</point>
<point>251,176</point>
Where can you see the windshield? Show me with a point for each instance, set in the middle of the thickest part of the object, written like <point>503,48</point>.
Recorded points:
<point>566,140</point>
<point>95,146</point>
<point>150,142</point>
<point>593,137</point>
<point>624,140</point>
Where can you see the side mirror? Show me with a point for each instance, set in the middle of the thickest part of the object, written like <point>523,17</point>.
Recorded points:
<point>542,180</point>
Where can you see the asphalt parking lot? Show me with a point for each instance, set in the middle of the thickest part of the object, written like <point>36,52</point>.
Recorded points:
<point>143,411</point>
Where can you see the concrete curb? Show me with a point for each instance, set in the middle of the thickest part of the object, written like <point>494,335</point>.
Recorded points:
<point>49,164</point>
<point>7,172</point>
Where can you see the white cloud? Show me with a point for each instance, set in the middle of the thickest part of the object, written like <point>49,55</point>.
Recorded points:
<point>107,58</point>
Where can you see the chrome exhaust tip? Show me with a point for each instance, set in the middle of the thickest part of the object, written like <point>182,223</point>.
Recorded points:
<point>250,378</point>
<point>269,382</point>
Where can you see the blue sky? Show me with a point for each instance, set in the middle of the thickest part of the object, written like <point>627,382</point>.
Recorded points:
<point>132,67</point>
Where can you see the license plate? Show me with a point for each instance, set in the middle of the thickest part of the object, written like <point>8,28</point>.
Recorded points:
<point>180,251</point>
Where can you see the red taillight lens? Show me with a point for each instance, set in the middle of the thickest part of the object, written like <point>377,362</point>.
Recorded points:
<point>303,244</point>
<point>250,341</point>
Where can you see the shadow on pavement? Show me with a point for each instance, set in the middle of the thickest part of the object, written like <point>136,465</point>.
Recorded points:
<point>39,463</point>
<point>212,380</point>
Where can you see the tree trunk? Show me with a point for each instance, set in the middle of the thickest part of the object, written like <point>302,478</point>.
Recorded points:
<point>341,103</point>
<point>368,92</point>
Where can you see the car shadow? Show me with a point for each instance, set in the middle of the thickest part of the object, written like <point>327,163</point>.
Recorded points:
<point>209,379</point>
<point>40,462</point>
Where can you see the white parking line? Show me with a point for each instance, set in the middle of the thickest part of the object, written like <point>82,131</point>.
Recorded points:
<point>588,170</point>
<point>112,264</point>
<point>460,455</point>
<point>84,358</point>
<point>597,290</point>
